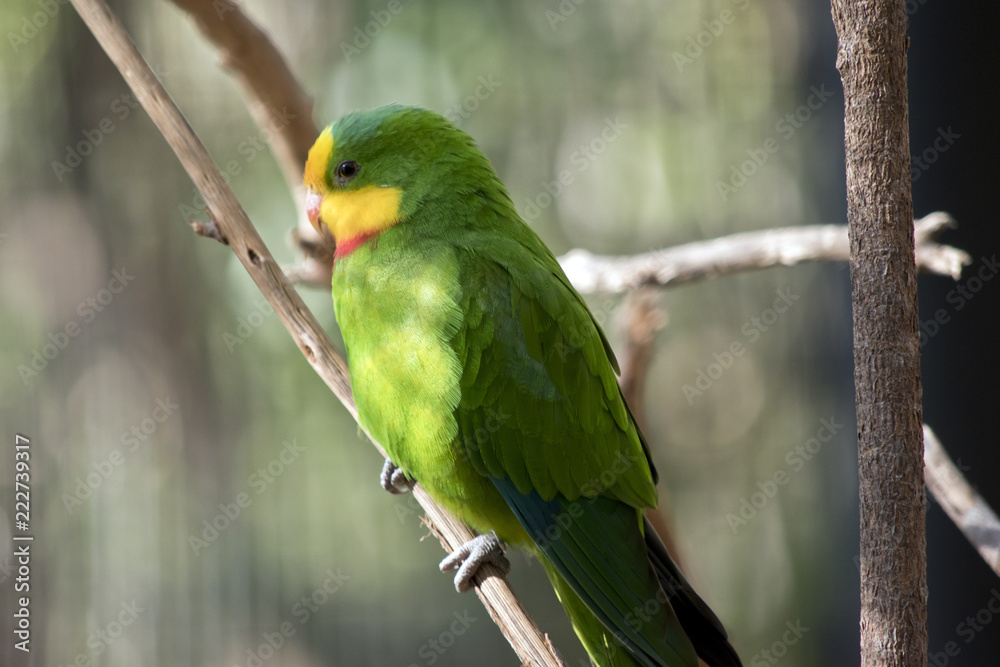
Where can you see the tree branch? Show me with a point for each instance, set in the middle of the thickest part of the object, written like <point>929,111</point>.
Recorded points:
<point>872,64</point>
<point>234,225</point>
<point>272,89</point>
<point>963,505</point>
<point>749,251</point>
<point>641,318</point>
<point>246,50</point>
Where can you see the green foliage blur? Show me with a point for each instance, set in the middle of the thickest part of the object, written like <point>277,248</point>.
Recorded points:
<point>200,498</point>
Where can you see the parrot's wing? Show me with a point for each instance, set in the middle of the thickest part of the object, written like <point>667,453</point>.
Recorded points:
<point>541,414</point>
<point>540,403</point>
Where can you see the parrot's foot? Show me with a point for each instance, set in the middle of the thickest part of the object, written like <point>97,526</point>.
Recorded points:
<point>470,556</point>
<point>395,480</point>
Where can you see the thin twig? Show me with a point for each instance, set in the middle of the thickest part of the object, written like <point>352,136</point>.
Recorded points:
<point>209,230</point>
<point>316,270</point>
<point>641,317</point>
<point>279,105</point>
<point>749,251</point>
<point>277,101</point>
<point>963,505</point>
<point>234,225</point>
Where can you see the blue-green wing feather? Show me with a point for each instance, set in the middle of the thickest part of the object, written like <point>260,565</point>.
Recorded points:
<point>597,547</point>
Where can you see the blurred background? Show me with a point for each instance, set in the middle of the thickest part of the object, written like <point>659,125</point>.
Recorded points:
<point>201,498</point>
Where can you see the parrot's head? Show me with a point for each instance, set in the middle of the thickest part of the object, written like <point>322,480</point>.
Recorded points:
<point>374,169</point>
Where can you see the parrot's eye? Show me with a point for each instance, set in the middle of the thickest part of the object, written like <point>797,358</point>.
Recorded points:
<point>346,170</point>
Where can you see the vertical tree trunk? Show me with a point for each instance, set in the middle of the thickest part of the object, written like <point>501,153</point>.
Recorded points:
<point>872,63</point>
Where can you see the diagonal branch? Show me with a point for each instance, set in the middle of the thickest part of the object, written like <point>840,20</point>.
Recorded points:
<point>277,101</point>
<point>963,505</point>
<point>234,225</point>
<point>749,251</point>
<point>642,318</point>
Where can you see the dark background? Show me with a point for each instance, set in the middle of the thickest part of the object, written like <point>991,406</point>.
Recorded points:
<point>960,364</point>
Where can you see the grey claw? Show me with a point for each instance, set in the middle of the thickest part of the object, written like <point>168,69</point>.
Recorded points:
<point>395,480</point>
<point>470,556</point>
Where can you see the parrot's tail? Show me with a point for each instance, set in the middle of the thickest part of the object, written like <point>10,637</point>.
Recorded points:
<point>700,624</point>
<point>601,645</point>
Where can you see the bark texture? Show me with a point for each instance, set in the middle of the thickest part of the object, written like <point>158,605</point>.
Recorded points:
<point>871,59</point>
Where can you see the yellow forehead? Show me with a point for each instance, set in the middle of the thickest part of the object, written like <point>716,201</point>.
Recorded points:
<point>319,158</point>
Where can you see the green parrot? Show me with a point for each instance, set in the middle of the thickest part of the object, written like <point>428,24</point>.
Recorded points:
<point>486,378</point>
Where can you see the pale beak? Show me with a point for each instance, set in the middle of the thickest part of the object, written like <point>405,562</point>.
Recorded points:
<point>313,202</point>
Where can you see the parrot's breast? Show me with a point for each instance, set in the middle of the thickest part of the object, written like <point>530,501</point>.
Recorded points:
<point>398,310</point>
